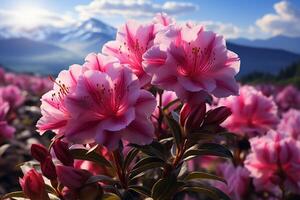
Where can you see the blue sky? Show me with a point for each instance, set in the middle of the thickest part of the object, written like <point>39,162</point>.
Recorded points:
<point>233,18</point>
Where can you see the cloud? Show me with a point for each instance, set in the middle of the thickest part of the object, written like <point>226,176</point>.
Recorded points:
<point>286,20</point>
<point>133,8</point>
<point>226,29</point>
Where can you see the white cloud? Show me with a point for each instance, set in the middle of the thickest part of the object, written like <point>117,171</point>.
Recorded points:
<point>132,8</point>
<point>226,29</point>
<point>286,20</point>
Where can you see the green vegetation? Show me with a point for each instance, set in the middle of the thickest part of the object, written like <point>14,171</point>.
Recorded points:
<point>288,75</point>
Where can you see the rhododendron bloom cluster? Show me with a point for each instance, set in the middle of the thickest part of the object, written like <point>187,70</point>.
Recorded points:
<point>290,123</point>
<point>252,112</point>
<point>274,162</point>
<point>191,61</point>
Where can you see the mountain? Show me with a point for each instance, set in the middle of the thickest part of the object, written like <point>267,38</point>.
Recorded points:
<point>25,55</point>
<point>264,60</point>
<point>47,50</point>
<point>278,42</point>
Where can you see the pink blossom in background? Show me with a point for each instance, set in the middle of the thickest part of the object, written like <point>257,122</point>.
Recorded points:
<point>237,178</point>
<point>99,62</point>
<point>191,62</point>
<point>289,97</point>
<point>133,40</point>
<point>275,158</point>
<point>290,123</point>
<point>6,131</point>
<point>107,107</point>
<point>267,89</point>
<point>55,115</point>
<point>167,97</point>
<point>252,112</point>
<point>13,95</point>
<point>161,21</point>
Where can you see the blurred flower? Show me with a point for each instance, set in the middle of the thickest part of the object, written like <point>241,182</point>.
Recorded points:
<point>13,95</point>
<point>290,123</point>
<point>289,97</point>
<point>252,112</point>
<point>191,62</point>
<point>133,40</point>
<point>33,186</point>
<point>237,179</point>
<point>6,131</point>
<point>274,160</point>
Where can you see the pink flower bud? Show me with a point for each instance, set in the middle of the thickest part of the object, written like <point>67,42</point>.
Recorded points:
<point>184,113</point>
<point>71,177</point>
<point>48,168</point>
<point>39,152</point>
<point>33,186</point>
<point>192,117</point>
<point>62,152</point>
<point>218,115</point>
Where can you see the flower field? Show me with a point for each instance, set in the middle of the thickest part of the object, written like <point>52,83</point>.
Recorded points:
<point>158,114</point>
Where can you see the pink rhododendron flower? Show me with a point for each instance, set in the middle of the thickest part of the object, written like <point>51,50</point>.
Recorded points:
<point>133,40</point>
<point>289,97</point>
<point>274,159</point>
<point>167,97</point>
<point>237,180</point>
<point>13,95</point>
<point>192,61</point>
<point>290,123</point>
<point>6,131</point>
<point>252,112</point>
<point>107,107</point>
<point>55,115</point>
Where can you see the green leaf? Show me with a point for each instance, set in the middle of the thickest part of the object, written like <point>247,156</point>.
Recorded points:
<point>17,194</point>
<point>146,166</point>
<point>130,156</point>
<point>82,154</point>
<point>151,149</point>
<point>92,149</point>
<point>110,196</point>
<point>51,190</point>
<point>176,130</point>
<point>165,188</point>
<point>170,104</point>
<point>101,178</point>
<point>209,149</point>
<point>203,175</point>
<point>209,191</point>
<point>141,190</point>
<point>147,160</point>
<point>3,148</point>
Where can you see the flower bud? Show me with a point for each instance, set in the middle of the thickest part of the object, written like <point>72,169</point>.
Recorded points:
<point>39,152</point>
<point>62,153</point>
<point>184,113</point>
<point>218,115</point>
<point>71,177</point>
<point>48,168</point>
<point>33,186</point>
<point>196,117</point>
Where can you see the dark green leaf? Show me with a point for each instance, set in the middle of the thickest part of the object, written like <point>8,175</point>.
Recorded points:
<point>101,178</point>
<point>150,149</point>
<point>209,191</point>
<point>110,196</point>
<point>141,190</point>
<point>210,149</point>
<point>92,149</point>
<point>81,154</point>
<point>176,130</point>
<point>130,156</point>
<point>147,160</point>
<point>170,104</point>
<point>203,175</point>
<point>144,168</point>
<point>165,188</point>
<point>17,194</point>
<point>51,190</point>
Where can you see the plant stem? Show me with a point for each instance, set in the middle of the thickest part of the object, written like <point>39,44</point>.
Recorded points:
<point>119,168</point>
